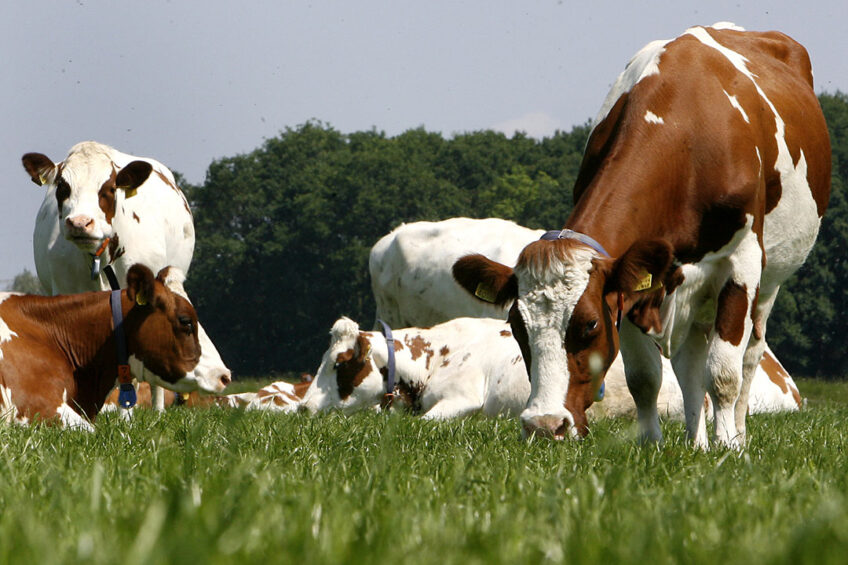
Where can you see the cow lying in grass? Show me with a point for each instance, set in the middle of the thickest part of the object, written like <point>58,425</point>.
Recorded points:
<point>470,365</point>
<point>59,354</point>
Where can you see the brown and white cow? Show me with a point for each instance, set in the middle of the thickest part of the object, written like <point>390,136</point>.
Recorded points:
<point>58,354</point>
<point>452,369</point>
<point>279,396</point>
<point>701,190</point>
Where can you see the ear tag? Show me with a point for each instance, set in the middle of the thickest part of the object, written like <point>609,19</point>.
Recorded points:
<point>485,292</point>
<point>645,282</point>
<point>42,179</point>
<point>140,299</point>
<point>130,192</point>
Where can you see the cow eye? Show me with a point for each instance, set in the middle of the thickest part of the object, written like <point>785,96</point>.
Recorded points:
<point>186,323</point>
<point>591,326</point>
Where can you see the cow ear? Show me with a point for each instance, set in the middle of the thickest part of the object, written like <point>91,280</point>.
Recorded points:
<point>485,279</point>
<point>642,267</point>
<point>40,168</point>
<point>140,284</point>
<point>133,176</point>
<point>363,348</point>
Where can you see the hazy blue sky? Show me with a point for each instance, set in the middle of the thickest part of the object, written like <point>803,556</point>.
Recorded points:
<point>189,82</point>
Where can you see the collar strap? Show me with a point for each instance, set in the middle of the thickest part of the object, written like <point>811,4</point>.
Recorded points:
<point>95,264</point>
<point>126,394</point>
<point>571,234</point>
<point>390,365</point>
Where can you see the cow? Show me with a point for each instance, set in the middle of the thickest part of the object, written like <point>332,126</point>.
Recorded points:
<point>278,396</point>
<point>104,207</point>
<point>411,279</point>
<point>772,390</point>
<point>701,191</point>
<point>411,268</point>
<point>462,366</point>
<point>59,355</point>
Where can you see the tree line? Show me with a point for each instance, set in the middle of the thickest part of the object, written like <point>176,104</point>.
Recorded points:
<point>283,233</point>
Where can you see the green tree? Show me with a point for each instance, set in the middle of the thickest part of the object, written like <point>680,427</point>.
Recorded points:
<point>27,283</point>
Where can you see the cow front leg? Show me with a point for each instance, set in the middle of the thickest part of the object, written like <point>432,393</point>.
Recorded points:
<point>688,366</point>
<point>157,398</point>
<point>643,372</point>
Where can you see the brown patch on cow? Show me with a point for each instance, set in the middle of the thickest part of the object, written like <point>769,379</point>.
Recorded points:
<point>757,322</point>
<point>353,366</point>
<point>775,371</point>
<point>410,395</point>
<point>732,307</point>
<point>106,195</point>
<point>115,250</point>
<point>418,346</point>
<point>506,333</point>
<point>444,351</point>
<point>63,192</point>
<point>136,218</point>
<point>516,360</point>
<point>599,144</point>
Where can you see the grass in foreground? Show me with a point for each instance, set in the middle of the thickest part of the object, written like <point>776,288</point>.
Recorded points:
<point>223,486</point>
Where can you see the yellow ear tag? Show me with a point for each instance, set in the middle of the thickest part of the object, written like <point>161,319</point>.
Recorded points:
<point>130,192</point>
<point>485,292</point>
<point>644,283</point>
<point>140,299</point>
<point>42,179</point>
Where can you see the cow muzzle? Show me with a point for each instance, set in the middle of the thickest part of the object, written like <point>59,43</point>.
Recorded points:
<point>550,426</point>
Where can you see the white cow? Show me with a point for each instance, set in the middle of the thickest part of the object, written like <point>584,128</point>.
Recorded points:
<point>413,286</point>
<point>411,268</point>
<point>467,365</point>
<point>107,206</point>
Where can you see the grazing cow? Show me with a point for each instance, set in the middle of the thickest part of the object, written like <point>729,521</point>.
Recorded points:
<point>701,190</point>
<point>414,259</point>
<point>59,355</point>
<point>452,369</point>
<point>103,207</point>
<point>411,268</point>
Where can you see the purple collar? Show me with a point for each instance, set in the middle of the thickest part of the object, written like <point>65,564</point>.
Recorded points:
<point>571,234</point>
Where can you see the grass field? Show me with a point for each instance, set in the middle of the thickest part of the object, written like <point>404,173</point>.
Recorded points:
<point>225,486</point>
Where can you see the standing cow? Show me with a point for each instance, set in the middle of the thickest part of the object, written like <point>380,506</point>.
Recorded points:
<point>103,207</point>
<point>701,190</point>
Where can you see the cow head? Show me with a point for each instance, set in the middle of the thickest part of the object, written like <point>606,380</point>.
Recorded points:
<point>161,332</point>
<point>348,378</point>
<point>86,186</point>
<point>210,373</point>
<point>567,299</point>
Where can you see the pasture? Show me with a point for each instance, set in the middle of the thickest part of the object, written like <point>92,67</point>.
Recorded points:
<point>223,486</point>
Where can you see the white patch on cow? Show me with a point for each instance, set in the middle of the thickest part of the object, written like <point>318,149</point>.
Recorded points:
<point>69,417</point>
<point>652,118</point>
<point>6,334</point>
<point>735,103</point>
<point>546,300</point>
<point>278,396</point>
<point>8,410</point>
<point>645,63</point>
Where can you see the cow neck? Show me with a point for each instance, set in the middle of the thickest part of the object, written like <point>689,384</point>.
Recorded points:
<point>126,393</point>
<point>389,396</point>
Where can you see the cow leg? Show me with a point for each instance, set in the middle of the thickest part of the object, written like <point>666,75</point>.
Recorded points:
<point>452,408</point>
<point>643,372</point>
<point>753,356</point>
<point>688,365</point>
<point>157,398</point>
<point>730,337</point>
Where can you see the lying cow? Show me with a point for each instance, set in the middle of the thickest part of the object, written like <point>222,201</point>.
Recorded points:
<point>59,356</point>
<point>452,369</point>
<point>467,365</point>
<point>103,208</point>
<point>279,396</point>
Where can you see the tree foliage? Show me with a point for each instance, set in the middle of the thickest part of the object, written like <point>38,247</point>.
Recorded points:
<point>284,232</point>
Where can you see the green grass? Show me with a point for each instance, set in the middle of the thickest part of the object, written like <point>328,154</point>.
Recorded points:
<point>226,486</point>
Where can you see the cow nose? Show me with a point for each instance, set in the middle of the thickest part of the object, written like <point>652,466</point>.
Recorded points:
<point>225,379</point>
<point>547,426</point>
<point>80,224</point>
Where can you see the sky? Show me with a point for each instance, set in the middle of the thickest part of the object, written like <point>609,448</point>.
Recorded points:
<point>189,82</point>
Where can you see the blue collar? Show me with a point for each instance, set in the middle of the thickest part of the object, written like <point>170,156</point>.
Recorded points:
<point>126,394</point>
